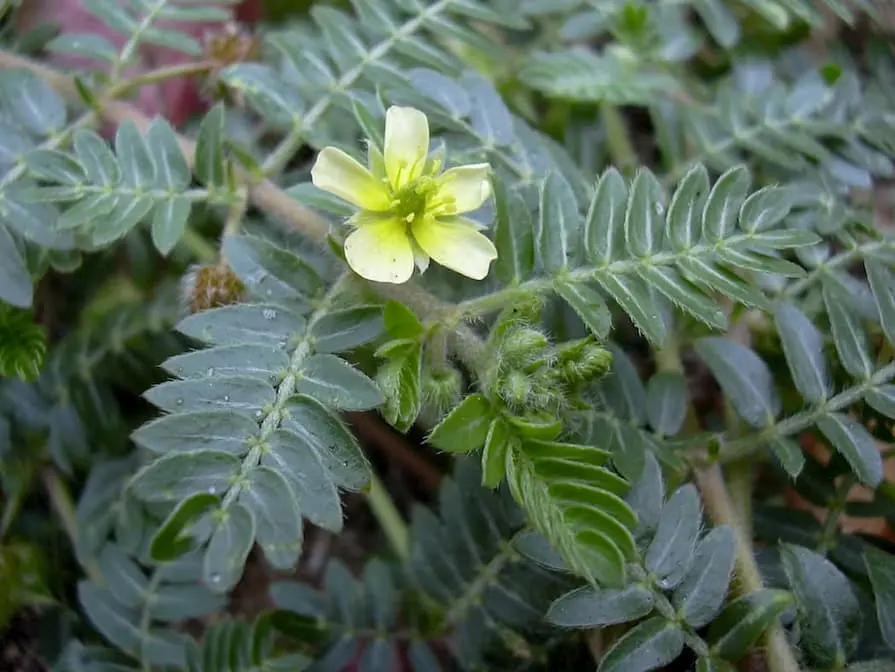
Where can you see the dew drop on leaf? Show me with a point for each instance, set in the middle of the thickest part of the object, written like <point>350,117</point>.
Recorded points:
<point>269,314</point>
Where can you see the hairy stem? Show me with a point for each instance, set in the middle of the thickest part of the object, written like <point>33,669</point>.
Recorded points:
<point>721,510</point>
<point>389,518</point>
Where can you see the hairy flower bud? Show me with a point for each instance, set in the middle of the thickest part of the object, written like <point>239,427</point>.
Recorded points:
<point>522,347</point>
<point>441,389</point>
<point>210,286</point>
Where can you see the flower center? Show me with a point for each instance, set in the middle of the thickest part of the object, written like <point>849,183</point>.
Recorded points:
<point>414,200</point>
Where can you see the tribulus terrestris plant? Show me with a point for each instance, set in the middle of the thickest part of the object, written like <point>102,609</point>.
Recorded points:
<point>424,335</point>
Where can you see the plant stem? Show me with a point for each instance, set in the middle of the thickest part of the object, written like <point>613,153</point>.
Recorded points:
<point>720,508</point>
<point>618,139</point>
<point>159,75</point>
<point>64,506</point>
<point>389,518</point>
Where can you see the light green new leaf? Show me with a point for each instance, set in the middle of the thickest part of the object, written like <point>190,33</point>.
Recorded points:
<point>829,614</point>
<point>644,221</point>
<point>881,569</point>
<point>670,554</point>
<point>225,556</point>
<point>465,428</point>
<point>685,211</point>
<point>856,445</point>
<point>604,228</point>
<point>701,594</point>
<point>882,282</point>
<point>513,235</point>
<point>175,476</point>
<point>270,499</point>
<point>338,384</point>
<point>744,378</point>
<point>650,645</point>
<point>587,607</point>
<point>497,443</point>
<point>399,380</point>
<point>559,226</point>
<point>803,346</point>
<point>719,217</point>
<point>589,306</point>
<point>211,167</point>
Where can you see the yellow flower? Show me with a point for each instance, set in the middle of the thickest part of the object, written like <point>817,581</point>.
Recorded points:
<point>409,211</point>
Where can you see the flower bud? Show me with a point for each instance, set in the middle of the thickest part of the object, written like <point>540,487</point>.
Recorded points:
<point>522,347</point>
<point>441,389</point>
<point>210,286</point>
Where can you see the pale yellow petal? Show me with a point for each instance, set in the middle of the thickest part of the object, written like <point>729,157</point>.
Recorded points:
<point>381,251</point>
<point>464,189</point>
<point>456,245</point>
<point>339,174</point>
<point>406,144</point>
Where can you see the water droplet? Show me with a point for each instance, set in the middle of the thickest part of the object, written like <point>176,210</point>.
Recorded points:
<point>258,414</point>
<point>660,209</point>
<point>269,314</point>
<point>210,372</point>
<point>226,398</point>
<point>212,490</point>
<point>215,578</point>
<point>256,277</point>
<point>179,402</point>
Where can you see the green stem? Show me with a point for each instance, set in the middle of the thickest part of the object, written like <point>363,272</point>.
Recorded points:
<point>204,251</point>
<point>618,139</point>
<point>389,518</point>
<point>158,75</point>
<point>64,506</point>
<point>835,507</point>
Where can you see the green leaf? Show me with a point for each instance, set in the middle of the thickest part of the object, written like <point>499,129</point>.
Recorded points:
<point>882,282</point>
<point>719,217</point>
<point>497,443</point>
<point>309,195</point>
<point>90,45</point>
<point>489,116</point>
<point>765,209</point>
<point>170,541</point>
<point>536,547</point>
<point>269,498</point>
<point>882,399</point>
<point>55,166</point>
<point>647,495</point>
<point>15,280</point>
<point>513,235</point>
<point>744,378</point>
<point>643,220</point>
<point>856,445</point>
<point>323,433</point>
<point>742,622</point>
<point>803,346</point>
<point>587,607</point>
<point>258,361</point>
<point>122,576</point>
<point>881,570</point>
<point>670,554</point>
<point>240,324</point>
<point>399,381</point>
<point>226,554</point>
<point>211,167</point>
<point>31,102</point>
<point>169,222</point>
<point>137,166</point>
<point>828,612</point>
<point>347,329</point>
<point>270,271</point>
<point>115,622</point>
<point>783,239</point>
<point>179,603</point>
<point>559,225</point>
<point>789,454</point>
<point>223,431</point>
<point>589,305</point>
<point>666,402</point>
<point>338,384</point>
<point>633,297</point>
<point>604,228</point>
<point>700,596</point>
<point>465,428</point>
<point>400,321</point>
<point>624,390</point>
<point>720,280</point>
<point>849,336</point>
<point>297,460</point>
<point>650,645</point>
<point>245,394</point>
<point>171,169</point>
<point>176,476</point>
<point>684,295</point>
<point>685,211</point>
<point>759,263</point>
<point>95,157</point>
<point>262,82</point>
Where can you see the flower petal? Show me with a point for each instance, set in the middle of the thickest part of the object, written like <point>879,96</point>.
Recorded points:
<point>456,245</point>
<point>466,186</point>
<point>381,251</point>
<point>406,144</point>
<point>336,172</point>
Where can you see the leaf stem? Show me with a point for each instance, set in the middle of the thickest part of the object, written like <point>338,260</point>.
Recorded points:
<point>64,506</point>
<point>618,139</point>
<point>388,517</point>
